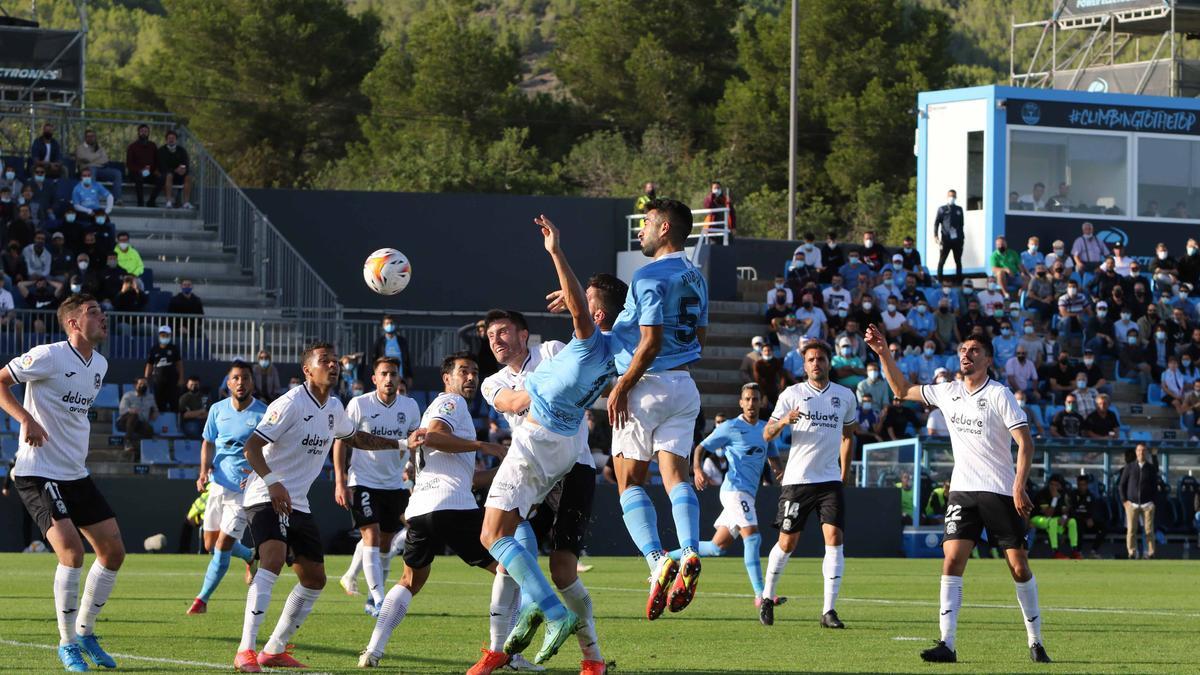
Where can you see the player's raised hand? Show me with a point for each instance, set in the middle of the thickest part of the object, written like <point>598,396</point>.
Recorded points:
<point>556,302</point>
<point>549,232</point>
<point>417,437</point>
<point>281,501</point>
<point>793,416</point>
<point>876,340</point>
<point>35,435</point>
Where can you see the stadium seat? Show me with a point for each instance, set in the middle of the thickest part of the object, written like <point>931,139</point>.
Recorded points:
<point>183,473</point>
<point>8,449</point>
<point>167,425</point>
<point>109,397</point>
<point>187,451</point>
<point>1154,394</point>
<point>1140,436</point>
<point>6,423</point>
<point>156,451</point>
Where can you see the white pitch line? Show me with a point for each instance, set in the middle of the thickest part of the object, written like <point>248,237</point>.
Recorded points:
<point>132,657</point>
<point>910,639</point>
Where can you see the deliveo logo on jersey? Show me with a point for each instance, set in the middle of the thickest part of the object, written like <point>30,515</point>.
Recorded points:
<point>314,443</point>
<point>818,418</point>
<point>969,425</point>
<point>77,402</point>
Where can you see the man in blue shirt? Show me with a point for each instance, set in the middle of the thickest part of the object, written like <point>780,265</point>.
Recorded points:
<point>852,269</point>
<point>94,201</point>
<point>654,404</point>
<point>740,442</point>
<point>230,423</point>
<point>546,446</point>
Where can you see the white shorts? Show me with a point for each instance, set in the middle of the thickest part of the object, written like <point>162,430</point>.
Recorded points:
<point>739,511</point>
<point>212,508</point>
<point>662,417</point>
<point>537,459</point>
<point>233,515</point>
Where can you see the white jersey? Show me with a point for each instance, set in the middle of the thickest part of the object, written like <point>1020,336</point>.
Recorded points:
<point>60,386</point>
<point>443,480</point>
<point>299,434</point>
<point>506,378</point>
<point>980,425</point>
<point>817,435</point>
<point>381,469</point>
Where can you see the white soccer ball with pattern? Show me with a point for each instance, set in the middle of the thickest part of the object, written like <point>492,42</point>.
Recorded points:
<point>387,271</point>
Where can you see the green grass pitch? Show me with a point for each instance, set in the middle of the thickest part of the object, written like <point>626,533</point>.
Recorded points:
<point>1100,617</point>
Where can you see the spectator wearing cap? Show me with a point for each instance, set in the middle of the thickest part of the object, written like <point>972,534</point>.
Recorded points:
<point>1120,260</point>
<point>1058,253</point>
<point>833,256</point>
<point>1006,265</point>
<point>896,265</point>
<point>1087,250</point>
<point>1189,265</point>
<point>848,367</point>
<point>89,155</point>
<point>185,301</point>
<point>1098,334</point>
<point>755,353</point>
<point>780,285</point>
<point>164,368</point>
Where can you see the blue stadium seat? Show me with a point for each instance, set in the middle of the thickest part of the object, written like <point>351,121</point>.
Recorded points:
<point>1140,436</point>
<point>7,424</point>
<point>156,451</point>
<point>183,473</point>
<point>116,431</point>
<point>187,451</point>
<point>167,425</point>
<point>1154,394</point>
<point>109,397</point>
<point>8,449</point>
<point>157,301</point>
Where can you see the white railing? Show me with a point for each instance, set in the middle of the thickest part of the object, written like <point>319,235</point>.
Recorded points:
<point>132,334</point>
<point>703,228</point>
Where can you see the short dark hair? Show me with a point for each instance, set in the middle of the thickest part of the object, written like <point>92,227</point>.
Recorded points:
<point>143,125</point>
<point>238,364</point>
<point>818,344</point>
<point>494,315</point>
<point>679,217</point>
<point>122,233</point>
<point>611,289</point>
<point>71,305</point>
<point>195,378</point>
<point>171,132</point>
<point>385,360</point>
<point>386,318</point>
<point>312,348</point>
<point>449,361</point>
<point>984,345</point>
<point>86,168</point>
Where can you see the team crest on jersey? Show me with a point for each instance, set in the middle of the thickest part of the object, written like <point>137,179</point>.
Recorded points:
<point>27,360</point>
<point>447,407</point>
<point>273,418</point>
<point>837,402</point>
<point>331,421</point>
<point>400,418</point>
<point>982,403</point>
<point>97,381</point>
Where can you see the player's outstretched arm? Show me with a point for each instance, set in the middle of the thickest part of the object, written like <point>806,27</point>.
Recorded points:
<point>572,291</point>
<point>439,438</point>
<point>365,440</point>
<point>511,401</point>
<point>901,389</point>
<point>1024,464</point>
<point>31,431</point>
<point>281,501</point>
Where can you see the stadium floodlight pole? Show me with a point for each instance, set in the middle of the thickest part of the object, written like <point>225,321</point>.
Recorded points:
<point>792,124</point>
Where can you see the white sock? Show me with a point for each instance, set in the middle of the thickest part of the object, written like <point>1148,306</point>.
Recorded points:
<point>356,563</point>
<point>373,571</point>
<point>385,561</point>
<point>258,599</point>
<point>951,602</point>
<point>578,600</point>
<point>1027,598</point>
<point>96,590</point>
<point>506,593</point>
<point>299,603</point>
<point>831,569</point>
<point>776,562</point>
<point>66,601</point>
<point>395,606</point>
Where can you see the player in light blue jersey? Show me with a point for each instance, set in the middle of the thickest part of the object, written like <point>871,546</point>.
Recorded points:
<point>545,448</point>
<point>654,404</point>
<point>740,442</point>
<point>230,422</point>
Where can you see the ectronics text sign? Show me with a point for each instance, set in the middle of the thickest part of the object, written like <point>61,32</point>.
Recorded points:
<point>1102,117</point>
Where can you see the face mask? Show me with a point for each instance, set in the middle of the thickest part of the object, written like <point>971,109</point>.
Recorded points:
<point>1070,407</point>
<point>832,243</point>
<point>38,178</point>
<point>952,200</point>
<point>1088,361</point>
<point>968,290</point>
<point>808,247</point>
<point>145,173</point>
<point>389,328</point>
<point>866,405</point>
<point>171,147</point>
<point>1102,313</point>
<point>1029,330</point>
<point>1125,316</point>
<point>853,260</point>
<point>1058,252</point>
<point>9,175</point>
<point>1006,332</point>
<point>1192,250</point>
<point>872,375</point>
<point>946,289</point>
<point>847,350</point>
<point>808,304</point>
<point>1160,336</point>
<point>186,291</point>
<point>993,287</point>
<point>867,306</point>
<point>1033,250</point>
<point>1187,363</point>
<point>837,285</point>
<point>997,313</point>
<point>75,288</point>
<point>868,243</point>
<point>891,308</point>
<point>1183,295</point>
<point>1016,313</point>
<point>1021,402</point>
<point>6,200</point>
<point>1132,340</point>
<point>164,340</point>
<point>83,265</point>
<point>843,313</point>
<point>929,351</point>
<point>1071,291</point>
<point>922,309</point>
<point>1135,272</point>
<point>908,249</point>
<point>70,217</point>
<point>87,182</point>
<point>124,246</point>
<point>1081,384</point>
<point>264,363</point>
<point>100,219</point>
<point>1087,235</point>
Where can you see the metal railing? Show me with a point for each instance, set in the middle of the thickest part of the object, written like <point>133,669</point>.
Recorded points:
<point>274,265</point>
<point>133,334</point>
<point>710,225</point>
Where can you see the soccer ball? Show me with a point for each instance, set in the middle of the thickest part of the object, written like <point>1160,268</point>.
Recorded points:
<point>387,271</point>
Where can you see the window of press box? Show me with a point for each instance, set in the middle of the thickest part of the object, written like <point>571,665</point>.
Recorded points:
<point>1168,178</point>
<point>974,170</point>
<point>1068,173</point>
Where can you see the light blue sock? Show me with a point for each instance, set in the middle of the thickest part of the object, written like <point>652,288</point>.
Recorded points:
<point>239,550</point>
<point>217,566</point>
<point>685,507</point>
<point>523,567</point>
<point>710,550</point>
<point>751,554</point>
<point>528,541</point>
<point>642,522</point>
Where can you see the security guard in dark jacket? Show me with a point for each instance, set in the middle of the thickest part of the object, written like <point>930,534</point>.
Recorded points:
<point>948,231</point>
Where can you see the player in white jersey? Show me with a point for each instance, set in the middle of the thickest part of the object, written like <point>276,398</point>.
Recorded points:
<point>373,487</point>
<point>286,453</point>
<point>442,510</point>
<point>61,382</point>
<point>986,491</point>
<point>823,416</point>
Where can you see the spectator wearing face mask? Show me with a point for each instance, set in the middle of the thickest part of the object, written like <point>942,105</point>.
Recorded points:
<point>1060,376</point>
<point>770,376</point>
<point>887,287</point>
<point>1020,373</point>
<point>848,367</point>
<point>910,257</point>
<point>896,418</point>
<point>1098,332</point>
<point>128,257</point>
<point>8,179</point>
<point>21,229</point>
<point>89,155</point>
<point>164,367</point>
<point>921,320</point>
<point>780,306</point>
<point>1033,413</point>
<point>193,409</point>
<point>719,198</point>
<point>836,318</point>
<point>45,152</point>
<point>1190,410</point>
<point>94,202</point>
<point>1095,376</point>
<point>873,254</point>
<point>86,276</point>
<point>1033,343</point>
<point>135,412</point>
<point>868,423</point>
<point>1173,384</point>
<point>1088,251</point>
<point>832,257</point>
<point>810,319</point>
<point>948,233</point>
<point>1126,321</point>
<point>1134,359</point>
<point>812,252</point>
<point>141,164</point>
<point>1074,308</point>
<point>174,170</point>
<point>1085,396</point>
<point>797,271</point>
<point>923,367</point>
<point>185,301</point>
<point>854,266</point>
<point>1004,345</point>
<point>780,285</point>
<point>788,333</point>
<point>836,293</point>
<point>1006,266</point>
<point>1162,349</point>
<point>910,295</point>
<point>945,325</point>
<point>1067,423</point>
<point>793,362</point>
<point>393,345</point>
<point>266,377</point>
<point>747,366</point>
<point>1189,265</point>
<point>874,386</point>
<point>866,313</point>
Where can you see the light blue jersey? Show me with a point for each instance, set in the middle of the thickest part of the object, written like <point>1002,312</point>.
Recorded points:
<point>742,445</point>
<point>228,429</point>
<point>570,382</point>
<point>668,292</point>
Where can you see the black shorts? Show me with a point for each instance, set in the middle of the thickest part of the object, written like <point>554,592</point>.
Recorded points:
<point>375,506</point>
<point>797,501</point>
<point>564,516</point>
<point>969,513</point>
<point>299,531</point>
<point>48,500</point>
<point>429,534</point>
